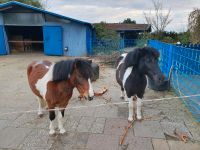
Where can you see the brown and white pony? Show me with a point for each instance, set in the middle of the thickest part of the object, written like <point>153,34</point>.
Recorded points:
<point>53,84</point>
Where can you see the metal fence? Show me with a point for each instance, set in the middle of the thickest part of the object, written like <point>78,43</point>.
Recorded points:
<point>185,74</point>
<point>107,46</point>
<point>192,46</point>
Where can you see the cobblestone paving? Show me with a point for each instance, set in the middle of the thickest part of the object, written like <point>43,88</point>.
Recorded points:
<point>92,128</point>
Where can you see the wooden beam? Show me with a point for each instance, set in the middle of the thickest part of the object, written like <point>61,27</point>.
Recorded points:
<point>2,9</point>
<point>26,42</point>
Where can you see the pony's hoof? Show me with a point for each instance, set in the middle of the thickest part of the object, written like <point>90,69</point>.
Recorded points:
<point>62,131</point>
<point>122,97</point>
<point>52,132</point>
<point>40,115</point>
<point>139,118</point>
<point>130,119</point>
<point>126,100</point>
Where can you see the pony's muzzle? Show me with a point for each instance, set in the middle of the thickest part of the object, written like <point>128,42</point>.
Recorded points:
<point>159,78</point>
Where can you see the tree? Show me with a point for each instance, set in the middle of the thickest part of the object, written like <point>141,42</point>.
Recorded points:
<point>194,26</point>
<point>159,19</point>
<point>36,3</point>
<point>103,33</point>
<point>128,20</point>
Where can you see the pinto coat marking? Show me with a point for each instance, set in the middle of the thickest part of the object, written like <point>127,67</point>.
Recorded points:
<point>41,84</point>
<point>131,72</point>
<point>54,83</point>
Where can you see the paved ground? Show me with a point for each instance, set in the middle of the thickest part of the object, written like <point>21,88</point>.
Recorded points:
<point>90,128</point>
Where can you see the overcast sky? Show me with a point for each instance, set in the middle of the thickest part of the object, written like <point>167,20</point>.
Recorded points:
<point>113,11</point>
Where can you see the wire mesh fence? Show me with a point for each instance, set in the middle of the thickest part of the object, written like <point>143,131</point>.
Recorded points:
<point>108,46</point>
<point>185,77</point>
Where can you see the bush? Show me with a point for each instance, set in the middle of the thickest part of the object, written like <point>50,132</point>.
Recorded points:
<point>184,37</point>
<point>168,37</point>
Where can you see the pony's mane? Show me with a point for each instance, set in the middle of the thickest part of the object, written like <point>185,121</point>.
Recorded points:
<point>152,51</point>
<point>84,67</point>
<point>133,56</point>
<point>63,69</point>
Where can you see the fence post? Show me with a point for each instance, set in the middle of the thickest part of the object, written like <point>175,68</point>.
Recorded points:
<point>122,43</point>
<point>170,57</point>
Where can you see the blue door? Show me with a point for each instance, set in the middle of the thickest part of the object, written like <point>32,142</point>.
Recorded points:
<point>89,40</point>
<point>3,50</point>
<point>53,41</point>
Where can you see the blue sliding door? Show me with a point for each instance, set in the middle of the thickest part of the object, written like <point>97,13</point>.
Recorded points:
<point>3,50</point>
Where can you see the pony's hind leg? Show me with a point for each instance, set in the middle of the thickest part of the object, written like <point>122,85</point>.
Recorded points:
<point>122,93</point>
<point>52,117</point>
<point>41,105</point>
<point>60,121</point>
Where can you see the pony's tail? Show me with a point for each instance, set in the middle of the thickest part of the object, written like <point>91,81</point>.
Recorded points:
<point>29,69</point>
<point>118,60</point>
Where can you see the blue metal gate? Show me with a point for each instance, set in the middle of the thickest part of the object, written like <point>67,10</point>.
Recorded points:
<point>185,75</point>
<point>53,40</point>
<point>3,50</point>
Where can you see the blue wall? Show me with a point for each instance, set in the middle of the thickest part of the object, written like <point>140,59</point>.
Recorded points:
<point>74,38</point>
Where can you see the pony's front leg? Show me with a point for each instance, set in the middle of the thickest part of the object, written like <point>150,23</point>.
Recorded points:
<point>60,121</point>
<point>52,117</point>
<point>130,109</point>
<point>139,109</point>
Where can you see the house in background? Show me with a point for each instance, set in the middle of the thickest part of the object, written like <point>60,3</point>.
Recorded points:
<point>128,31</point>
<point>24,28</point>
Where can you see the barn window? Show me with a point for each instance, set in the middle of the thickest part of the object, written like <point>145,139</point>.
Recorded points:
<point>23,19</point>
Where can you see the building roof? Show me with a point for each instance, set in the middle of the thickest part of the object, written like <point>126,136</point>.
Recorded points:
<point>128,27</point>
<point>10,4</point>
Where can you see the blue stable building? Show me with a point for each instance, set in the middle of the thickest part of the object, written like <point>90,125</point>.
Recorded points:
<point>24,28</point>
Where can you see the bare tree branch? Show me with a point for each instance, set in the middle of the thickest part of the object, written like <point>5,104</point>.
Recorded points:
<point>159,19</point>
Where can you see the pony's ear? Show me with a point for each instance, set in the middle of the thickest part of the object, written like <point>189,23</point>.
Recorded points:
<point>77,63</point>
<point>149,51</point>
<point>80,62</point>
<point>133,57</point>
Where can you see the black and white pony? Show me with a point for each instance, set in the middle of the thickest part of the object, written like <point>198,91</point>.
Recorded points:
<point>132,69</point>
